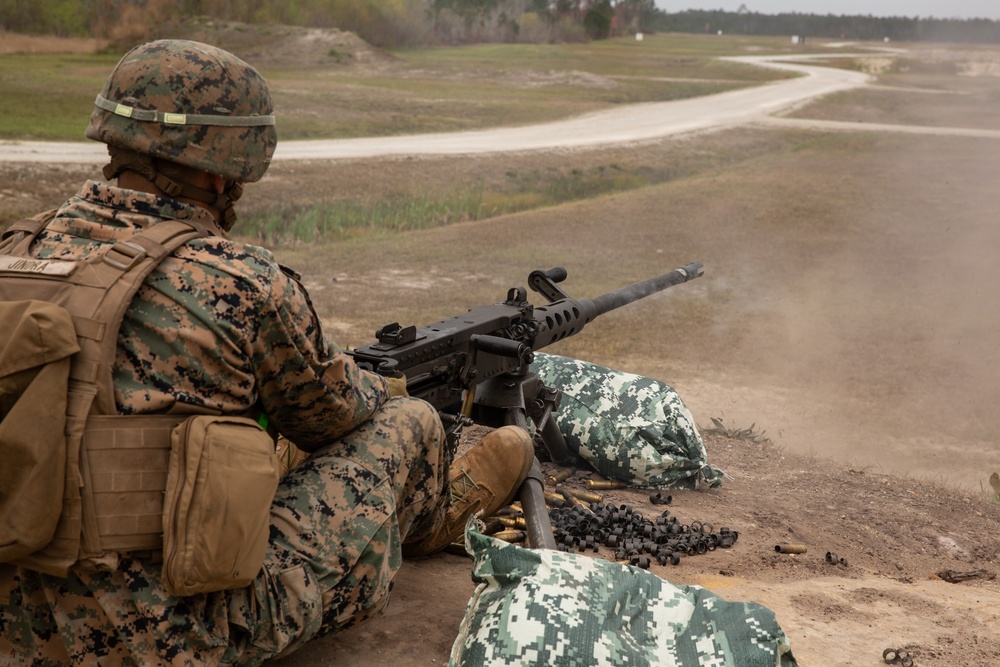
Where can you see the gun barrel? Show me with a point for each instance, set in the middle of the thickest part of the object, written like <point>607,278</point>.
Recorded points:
<point>626,295</point>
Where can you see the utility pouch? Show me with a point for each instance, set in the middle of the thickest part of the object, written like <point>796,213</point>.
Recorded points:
<point>221,480</point>
<point>36,344</point>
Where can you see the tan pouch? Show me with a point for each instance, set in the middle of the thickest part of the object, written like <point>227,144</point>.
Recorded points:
<point>221,480</point>
<point>36,341</point>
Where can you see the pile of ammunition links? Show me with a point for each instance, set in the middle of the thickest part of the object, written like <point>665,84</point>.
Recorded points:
<point>582,521</point>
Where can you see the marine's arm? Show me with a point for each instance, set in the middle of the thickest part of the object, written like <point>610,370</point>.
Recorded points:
<point>310,389</point>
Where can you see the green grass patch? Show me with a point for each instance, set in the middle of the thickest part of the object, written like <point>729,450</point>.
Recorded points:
<point>348,219</point>
<point>344,220</point>
<point>49,96</point>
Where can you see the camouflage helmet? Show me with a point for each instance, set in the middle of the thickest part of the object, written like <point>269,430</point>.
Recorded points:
<point>189,103</point>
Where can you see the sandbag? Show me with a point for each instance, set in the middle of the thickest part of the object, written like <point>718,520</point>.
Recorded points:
<point>547,607</point>
<point>628,427</point>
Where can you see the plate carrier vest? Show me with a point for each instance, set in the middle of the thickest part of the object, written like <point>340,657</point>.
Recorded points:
<point>112,468</point>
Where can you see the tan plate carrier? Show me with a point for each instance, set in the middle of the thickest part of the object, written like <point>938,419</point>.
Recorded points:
<point>115,466</point>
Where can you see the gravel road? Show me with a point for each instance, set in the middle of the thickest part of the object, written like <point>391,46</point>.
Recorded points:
<point>620,125</point>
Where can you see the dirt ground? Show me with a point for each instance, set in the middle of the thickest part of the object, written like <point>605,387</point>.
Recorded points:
<point>896,535</point>
<point>11,42</point>
<point>842,311</point>
<point>847,311</point>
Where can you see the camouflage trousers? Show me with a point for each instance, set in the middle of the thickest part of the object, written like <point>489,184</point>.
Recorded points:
<point>338,522</point>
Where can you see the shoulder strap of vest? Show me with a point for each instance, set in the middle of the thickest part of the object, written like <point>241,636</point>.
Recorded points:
<point>122,270</point>
<point>19,235</point>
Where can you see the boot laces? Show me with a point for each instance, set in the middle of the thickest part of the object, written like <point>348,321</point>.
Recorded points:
<point>462,487</point>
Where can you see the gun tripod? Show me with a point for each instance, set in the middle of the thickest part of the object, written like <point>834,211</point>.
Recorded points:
<point>511,399</point>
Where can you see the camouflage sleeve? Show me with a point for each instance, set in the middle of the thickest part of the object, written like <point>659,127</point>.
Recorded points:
<point>310,389</point>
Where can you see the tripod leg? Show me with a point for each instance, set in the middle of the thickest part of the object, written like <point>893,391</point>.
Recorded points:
<point>555,443</point>
<point>531,494</point>
<point>536,515</point>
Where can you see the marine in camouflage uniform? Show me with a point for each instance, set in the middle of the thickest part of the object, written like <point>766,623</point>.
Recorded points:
<point>220,326</point>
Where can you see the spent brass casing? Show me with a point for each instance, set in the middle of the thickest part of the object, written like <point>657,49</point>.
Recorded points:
<point>585,495</point>
<point>605,484</point>
<point>513,522</point>
<point>561,476</point>
<point>791,548</point>
<point>511,535</point>
<point>510,510</point>
<point>570,498</point>
<point>554,499</point>
<point>492,525</point>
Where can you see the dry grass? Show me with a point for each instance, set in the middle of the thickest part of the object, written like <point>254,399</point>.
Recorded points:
<point>15,43</point>
<point>930,85</point>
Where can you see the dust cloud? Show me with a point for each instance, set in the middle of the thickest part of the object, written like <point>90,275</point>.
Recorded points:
<point>878,344</point>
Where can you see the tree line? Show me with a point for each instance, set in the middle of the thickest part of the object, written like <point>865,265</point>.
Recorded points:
<point>385,23</point>
<point>393,23</point>
<point>895,28</point>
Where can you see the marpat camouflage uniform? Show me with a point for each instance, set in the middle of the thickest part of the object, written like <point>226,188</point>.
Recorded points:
<point>219,325</point>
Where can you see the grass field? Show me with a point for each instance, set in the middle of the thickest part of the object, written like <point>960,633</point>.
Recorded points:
<point>44,96</point>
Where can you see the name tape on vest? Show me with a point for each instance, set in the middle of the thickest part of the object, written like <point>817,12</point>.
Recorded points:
<point>49,267</point>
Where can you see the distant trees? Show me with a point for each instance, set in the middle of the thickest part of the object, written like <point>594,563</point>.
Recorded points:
<point>382,22</point>
<point>59,17</point>
<point>896,28</point>
<point>410,22</point>
<point>537,20</point>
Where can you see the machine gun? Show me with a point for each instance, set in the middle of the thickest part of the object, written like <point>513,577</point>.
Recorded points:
<point>475,367</point>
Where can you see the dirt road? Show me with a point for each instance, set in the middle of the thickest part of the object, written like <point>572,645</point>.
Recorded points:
<point>620,125</point>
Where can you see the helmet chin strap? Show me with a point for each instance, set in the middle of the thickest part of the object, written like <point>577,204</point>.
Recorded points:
<point>124,159</point>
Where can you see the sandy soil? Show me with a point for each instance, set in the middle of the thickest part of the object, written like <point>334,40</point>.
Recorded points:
<point>838,339</point>
<point>11,42</point>
<point>896,537</point>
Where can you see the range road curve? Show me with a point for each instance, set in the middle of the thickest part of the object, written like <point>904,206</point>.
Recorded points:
<point>618,125</point>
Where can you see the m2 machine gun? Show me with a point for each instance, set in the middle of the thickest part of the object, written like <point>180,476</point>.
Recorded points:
<point>475,367</point>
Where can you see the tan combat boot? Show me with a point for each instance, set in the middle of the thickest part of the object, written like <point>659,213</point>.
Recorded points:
<point>486,478</point>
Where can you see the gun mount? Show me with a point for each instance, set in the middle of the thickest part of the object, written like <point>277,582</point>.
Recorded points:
<point>475,367</point>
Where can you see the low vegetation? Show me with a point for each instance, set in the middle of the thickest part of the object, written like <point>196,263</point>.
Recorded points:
<point>423,208</point>
<point>395,23</point>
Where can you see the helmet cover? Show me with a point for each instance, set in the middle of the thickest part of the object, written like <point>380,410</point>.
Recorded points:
<point>189,103</point>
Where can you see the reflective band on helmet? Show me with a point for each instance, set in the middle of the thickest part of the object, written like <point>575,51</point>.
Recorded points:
<point>181,118</point>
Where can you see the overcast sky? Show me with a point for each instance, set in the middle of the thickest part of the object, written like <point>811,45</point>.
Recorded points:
<point>963,9</point>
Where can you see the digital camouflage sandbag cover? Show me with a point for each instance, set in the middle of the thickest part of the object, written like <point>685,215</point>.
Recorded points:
<point>628,427</point>
<point>547,607</point>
